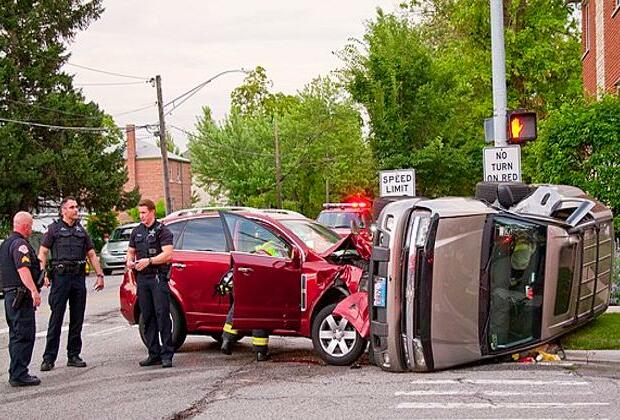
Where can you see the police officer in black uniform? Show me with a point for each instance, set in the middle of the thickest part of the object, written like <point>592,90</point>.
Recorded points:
<point>149,254</point>
<point>70,245</point>
<point>19,271</point>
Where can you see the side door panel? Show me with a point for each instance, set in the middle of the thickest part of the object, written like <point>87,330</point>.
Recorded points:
<point>266,281</point>
<point>199,261</point>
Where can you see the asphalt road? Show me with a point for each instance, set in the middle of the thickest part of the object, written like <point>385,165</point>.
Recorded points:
<point>294,384</point>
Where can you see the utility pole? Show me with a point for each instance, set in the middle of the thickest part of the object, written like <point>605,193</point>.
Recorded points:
<point>278,169</point>
<point>163,145</point>
<point>498,58</point>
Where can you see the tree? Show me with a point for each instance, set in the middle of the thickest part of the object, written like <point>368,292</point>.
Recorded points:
<point>579,145</point>
<point>40,163</point>
<point>424,77</point>
<point>319,132</point>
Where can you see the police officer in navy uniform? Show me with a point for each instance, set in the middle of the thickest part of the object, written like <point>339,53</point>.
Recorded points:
<point>70,246</point>
<point>19,271</point>
<point>149,254</point>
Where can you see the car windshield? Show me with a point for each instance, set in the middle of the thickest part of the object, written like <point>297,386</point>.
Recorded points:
<point>121,234</point>
<point>337,220</point>
<point>315,236</point>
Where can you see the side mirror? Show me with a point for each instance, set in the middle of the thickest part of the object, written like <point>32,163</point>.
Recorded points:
<point>296,257</point>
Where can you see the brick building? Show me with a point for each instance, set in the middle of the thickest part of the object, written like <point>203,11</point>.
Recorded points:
<point>144,168</point>
<point>600,24</point>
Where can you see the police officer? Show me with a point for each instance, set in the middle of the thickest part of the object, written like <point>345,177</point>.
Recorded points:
<point>19,270</point>
<point>70,245</point>
<point>149,253</point>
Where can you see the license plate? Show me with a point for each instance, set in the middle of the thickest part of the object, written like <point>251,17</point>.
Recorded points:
<point>380,292</point>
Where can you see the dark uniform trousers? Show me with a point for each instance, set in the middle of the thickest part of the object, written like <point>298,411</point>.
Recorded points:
<point>154,301</point>
<point>260,338</point>
<point>66,288</point>
<point>21,334</point>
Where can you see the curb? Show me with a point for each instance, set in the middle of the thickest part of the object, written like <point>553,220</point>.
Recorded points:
<point>593,356</point>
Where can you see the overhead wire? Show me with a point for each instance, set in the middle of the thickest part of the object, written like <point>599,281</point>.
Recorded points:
<point>222,146</point>
<point>60,111</point>
<point>110,84</point>
<point>109,72</point>
<point>69,128</point>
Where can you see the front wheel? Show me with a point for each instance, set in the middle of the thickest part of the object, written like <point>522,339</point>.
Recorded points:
<point>334,339</point>
<point>178,327</point>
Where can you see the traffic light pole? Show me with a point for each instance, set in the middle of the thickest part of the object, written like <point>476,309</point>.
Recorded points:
<point>498,58</point>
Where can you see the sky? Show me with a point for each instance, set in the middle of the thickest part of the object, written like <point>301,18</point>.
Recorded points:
<point>188,42</point>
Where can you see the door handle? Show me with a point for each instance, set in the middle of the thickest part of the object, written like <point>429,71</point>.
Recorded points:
<point>245,270</point>
<point>180,266</point>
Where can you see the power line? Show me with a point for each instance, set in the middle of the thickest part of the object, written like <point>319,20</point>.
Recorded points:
<point>223,146</point>
<point>109,72</point>
<point>111,84</point>
<point>136,110</point>
<point>70,128</point>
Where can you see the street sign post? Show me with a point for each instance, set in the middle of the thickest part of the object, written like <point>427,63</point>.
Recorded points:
<point>397,182</point>
<point>502,164</point>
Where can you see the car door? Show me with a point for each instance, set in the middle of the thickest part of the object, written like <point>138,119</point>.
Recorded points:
<point>266,277</point>
<point>200,260</point>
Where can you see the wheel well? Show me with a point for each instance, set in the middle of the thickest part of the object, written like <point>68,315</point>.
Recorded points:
<point>333,295</point>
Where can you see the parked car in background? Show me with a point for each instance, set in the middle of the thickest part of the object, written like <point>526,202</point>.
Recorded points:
<point>342,217</point>
<point>457,280</point>
<point>289,272</point>
<point>112,256</point>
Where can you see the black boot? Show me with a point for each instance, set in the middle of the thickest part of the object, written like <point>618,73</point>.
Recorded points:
<point>262,356</point>
<point>227,346</point>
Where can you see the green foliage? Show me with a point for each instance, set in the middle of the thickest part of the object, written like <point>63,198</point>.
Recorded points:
<point>39,163</point>
<point>615,279</point>
<point>160,211</point>
<point>424,77</point>
<point>99,225</point>
<point>319,133</point>
<point>579,145</point>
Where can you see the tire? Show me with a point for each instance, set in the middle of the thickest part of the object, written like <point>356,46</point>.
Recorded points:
<point>107,271</point>
<point>179,333</point>
<point>340,351</point>
<point>487,191</point>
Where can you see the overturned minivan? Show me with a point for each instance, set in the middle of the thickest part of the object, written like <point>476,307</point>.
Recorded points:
<point>457,280</point>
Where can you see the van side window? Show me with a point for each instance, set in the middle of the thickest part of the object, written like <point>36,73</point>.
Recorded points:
<point>517,281</point>
<point>204,234</point>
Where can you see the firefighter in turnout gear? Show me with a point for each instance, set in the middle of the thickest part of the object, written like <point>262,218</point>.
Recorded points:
<point>70,246</point>
<point>149,254</point>
<point>19,272</point>
<point>260,338</point>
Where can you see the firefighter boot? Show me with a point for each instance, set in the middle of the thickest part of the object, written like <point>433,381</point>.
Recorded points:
<point>227,345</point>
<point>262,356</point>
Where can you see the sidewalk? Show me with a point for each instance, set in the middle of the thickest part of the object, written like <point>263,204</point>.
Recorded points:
<point>595,356</point>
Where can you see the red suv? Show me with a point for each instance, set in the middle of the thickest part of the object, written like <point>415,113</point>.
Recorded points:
<point>292,292</point>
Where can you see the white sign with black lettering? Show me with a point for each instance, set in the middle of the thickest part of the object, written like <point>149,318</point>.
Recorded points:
<point>502,164</point>
<point>398,182</point>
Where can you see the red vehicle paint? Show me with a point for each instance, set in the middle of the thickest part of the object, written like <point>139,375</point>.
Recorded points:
<point>291,292</point>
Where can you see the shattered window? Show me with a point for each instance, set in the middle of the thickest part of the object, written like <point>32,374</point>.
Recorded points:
<point>516,279</point>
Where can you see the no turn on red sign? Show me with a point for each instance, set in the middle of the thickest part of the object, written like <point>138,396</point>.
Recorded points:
<point>502,164</point>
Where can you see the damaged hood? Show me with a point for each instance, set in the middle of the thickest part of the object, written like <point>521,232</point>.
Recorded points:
<point>361,242</point>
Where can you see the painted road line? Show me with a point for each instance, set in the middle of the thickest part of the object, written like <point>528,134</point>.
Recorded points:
<point>108,331</point>
<point>481,405</point>
<point>474,393</point>
<point>520,382</point>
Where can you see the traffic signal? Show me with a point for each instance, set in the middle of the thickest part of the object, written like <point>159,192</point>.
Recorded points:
<point>521,127</point>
